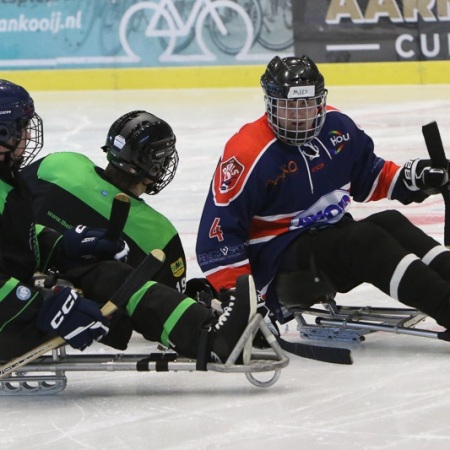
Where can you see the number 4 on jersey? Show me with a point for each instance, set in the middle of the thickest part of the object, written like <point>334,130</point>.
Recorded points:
<point>216,231</point>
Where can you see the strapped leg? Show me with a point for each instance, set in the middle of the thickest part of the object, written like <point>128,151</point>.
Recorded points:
<point>164,315</point>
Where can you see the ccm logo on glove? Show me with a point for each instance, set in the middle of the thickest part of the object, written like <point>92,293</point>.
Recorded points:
<point>77,319</point>
<point>65,309</point>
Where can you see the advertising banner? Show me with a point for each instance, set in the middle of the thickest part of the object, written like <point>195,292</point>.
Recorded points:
<point>129,33</point>
<point>372,30</point>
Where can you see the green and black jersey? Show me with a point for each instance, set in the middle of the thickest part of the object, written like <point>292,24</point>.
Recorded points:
<point>68,190</point>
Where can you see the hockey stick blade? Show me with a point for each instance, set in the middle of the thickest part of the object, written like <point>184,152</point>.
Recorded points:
<point>434,144</point>
<point>436,151</point>
<point>143,273</point>
<point>333,355</point>
<point>118,217</point>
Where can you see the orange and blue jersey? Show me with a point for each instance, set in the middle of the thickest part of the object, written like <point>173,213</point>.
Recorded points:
<point>265,193</point>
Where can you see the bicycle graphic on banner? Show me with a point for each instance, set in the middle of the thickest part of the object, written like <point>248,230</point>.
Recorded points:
<point>224,19</point>
<point>230,26</point>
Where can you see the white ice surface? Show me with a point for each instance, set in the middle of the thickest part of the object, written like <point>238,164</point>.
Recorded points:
<point>396,395</point>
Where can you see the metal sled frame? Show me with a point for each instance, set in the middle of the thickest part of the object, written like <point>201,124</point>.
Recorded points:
<point>47,375</point>
<point>352,323</point>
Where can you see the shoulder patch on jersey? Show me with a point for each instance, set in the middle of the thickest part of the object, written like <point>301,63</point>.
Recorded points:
<point>231,171</point>
<point>177,267</point>
<point>241,154</point>
<point>23,293</point>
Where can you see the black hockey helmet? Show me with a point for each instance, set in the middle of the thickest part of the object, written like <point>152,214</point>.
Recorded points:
<point>294,87</point>
<point>143,145</point>
<point>20,126</point>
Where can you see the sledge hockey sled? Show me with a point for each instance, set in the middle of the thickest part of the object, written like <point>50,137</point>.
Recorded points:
<point>311,300</point>
<point>47,374</point>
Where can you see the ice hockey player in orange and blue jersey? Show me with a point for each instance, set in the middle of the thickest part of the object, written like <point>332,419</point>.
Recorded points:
<point>281,192</point>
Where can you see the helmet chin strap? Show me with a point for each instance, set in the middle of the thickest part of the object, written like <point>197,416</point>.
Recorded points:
<point>8,159</point>
<point>150,185</point>
<point>11,148</point>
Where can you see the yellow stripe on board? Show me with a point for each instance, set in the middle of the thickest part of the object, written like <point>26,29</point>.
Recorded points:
<point>429,72</point>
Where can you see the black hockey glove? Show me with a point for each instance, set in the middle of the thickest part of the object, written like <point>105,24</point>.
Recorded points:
<point>88,245</point>
<point>199,289</point>
<point>418,174</point>
<point>78,320</point>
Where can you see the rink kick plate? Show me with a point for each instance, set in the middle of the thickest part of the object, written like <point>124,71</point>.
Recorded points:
<point>47,375</point>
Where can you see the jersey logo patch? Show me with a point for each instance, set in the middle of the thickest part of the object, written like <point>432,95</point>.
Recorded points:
<point>23,293</point>
<point>231,171</point>
<point>338,140</point>
<point>328,209</point>
<point>287,169</point>
<point>177,267</point>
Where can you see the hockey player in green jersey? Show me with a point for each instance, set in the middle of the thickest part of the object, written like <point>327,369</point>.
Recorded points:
<point>142,158</point>
<point>29,316</point>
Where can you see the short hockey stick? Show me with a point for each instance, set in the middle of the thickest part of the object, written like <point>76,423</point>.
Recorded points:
<point>436,151</point>
<point>334,355</point>
<point>118,217</point>
<point>143,273</point>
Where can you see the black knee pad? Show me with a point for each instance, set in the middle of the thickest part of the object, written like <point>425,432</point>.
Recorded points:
<point>302,288</point>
